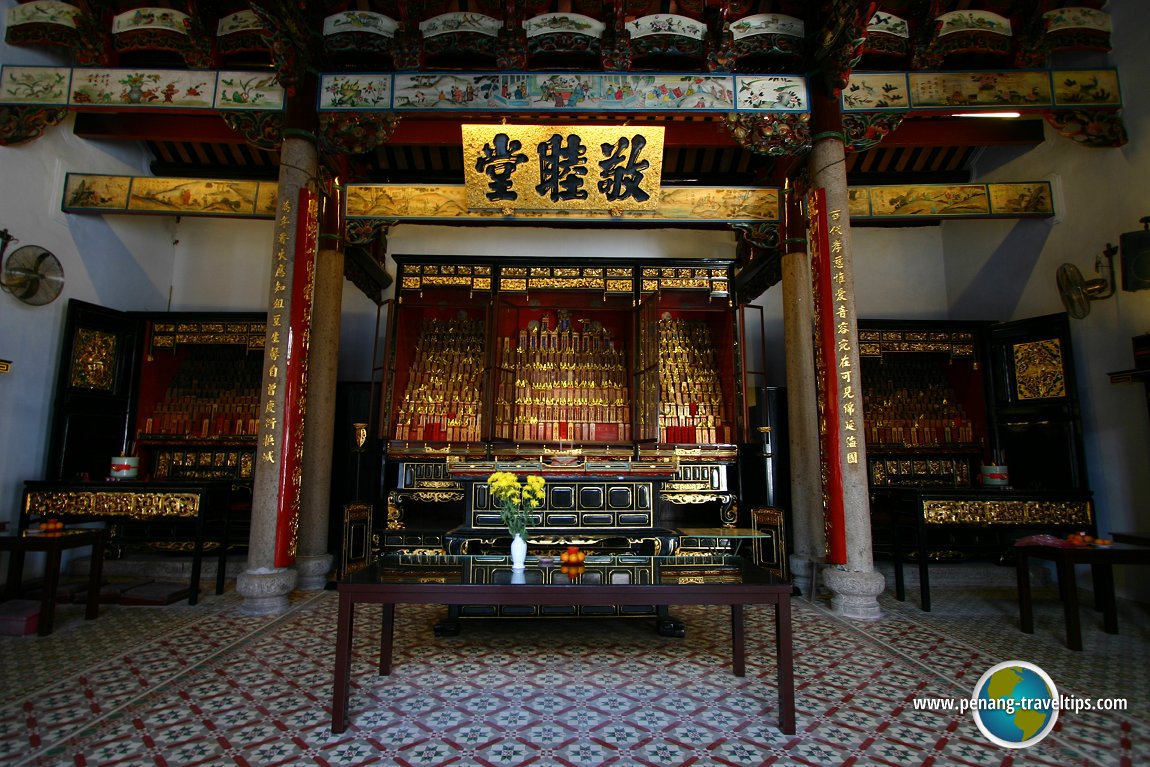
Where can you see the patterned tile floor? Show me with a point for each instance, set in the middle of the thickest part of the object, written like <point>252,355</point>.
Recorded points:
<point>205,685</point>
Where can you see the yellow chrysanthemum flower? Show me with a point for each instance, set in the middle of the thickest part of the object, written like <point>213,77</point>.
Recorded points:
<point>516,499</point>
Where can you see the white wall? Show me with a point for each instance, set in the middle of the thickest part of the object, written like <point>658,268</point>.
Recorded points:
<point>106,260</point>
<point>414,239</point>
<point>899,273</point>
<point>1006,270</point>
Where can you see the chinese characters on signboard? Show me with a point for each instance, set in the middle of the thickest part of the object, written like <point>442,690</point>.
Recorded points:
<point>535,167</point>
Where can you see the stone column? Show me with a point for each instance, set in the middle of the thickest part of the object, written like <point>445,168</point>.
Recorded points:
<point>269,577</point>
<point>807,535</point>
<point>855,584</point>
<point>313,561</point>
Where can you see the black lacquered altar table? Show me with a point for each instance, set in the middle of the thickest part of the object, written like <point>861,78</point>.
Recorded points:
<point>623,579</point>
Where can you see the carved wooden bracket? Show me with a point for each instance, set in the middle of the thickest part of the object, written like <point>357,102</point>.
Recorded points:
<point>865,130</point>
<point>292,40</point>
<point>20,124</point>
<point>760,259</point>
<point>365,256</point>
<point>511,49</point>
<point>260,129</point>
<point>364,231</point>
<point>771,134</point>
<point>355,132</point>
<point>841,42</point>
<point>759,236</point>
<point>616,51</point>
<point>1089,127</point>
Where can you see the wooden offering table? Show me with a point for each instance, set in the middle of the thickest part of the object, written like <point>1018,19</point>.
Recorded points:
<point>1101,561</point>
<point>922,524</point>
<point>199,513</point>
<point>607,579</point>
<point>53,544</point>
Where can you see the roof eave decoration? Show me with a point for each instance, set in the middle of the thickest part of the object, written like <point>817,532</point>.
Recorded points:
<point>58,24</point>
<point>163,29</point>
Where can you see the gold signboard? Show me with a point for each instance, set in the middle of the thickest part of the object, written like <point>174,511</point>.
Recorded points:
<point>545,167</point>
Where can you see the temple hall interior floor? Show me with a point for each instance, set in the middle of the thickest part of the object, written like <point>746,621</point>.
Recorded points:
<point>207,685</point>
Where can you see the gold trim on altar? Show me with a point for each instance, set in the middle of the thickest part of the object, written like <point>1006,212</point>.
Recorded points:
<point>113,503</point>
<point>976,512</point>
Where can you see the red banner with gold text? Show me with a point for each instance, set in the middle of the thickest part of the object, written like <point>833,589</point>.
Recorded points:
<point>827,284</point>
<point>298,336</point>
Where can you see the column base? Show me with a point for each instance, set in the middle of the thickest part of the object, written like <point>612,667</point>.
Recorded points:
<point>804,575</point>
<point>265,590</point>
<point>311,572</point>
<point>855,593</point>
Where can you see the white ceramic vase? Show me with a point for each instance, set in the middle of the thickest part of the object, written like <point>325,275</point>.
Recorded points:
<point>518,552</point>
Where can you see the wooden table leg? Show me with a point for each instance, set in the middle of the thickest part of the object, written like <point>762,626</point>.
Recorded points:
<point>197,555</point>
<point>95,576</point>
<point>1104,596</point>
<point>51,583</point>
<point>738,641</point>
<point>896,555</point>
<point>344,632</point>
<point>786,669</point>
<point>1068,587</point>
<point>923,562</point>
<point>13,588</point>
<point>386,638</point>
<point>1025,603</point>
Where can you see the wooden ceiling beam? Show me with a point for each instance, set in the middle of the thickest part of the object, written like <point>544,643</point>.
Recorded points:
<point>965,131</point>
<point>949,131</point>
<point>418,131</point>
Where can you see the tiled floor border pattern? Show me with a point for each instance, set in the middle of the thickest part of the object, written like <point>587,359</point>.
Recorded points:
<point>208,685</point>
